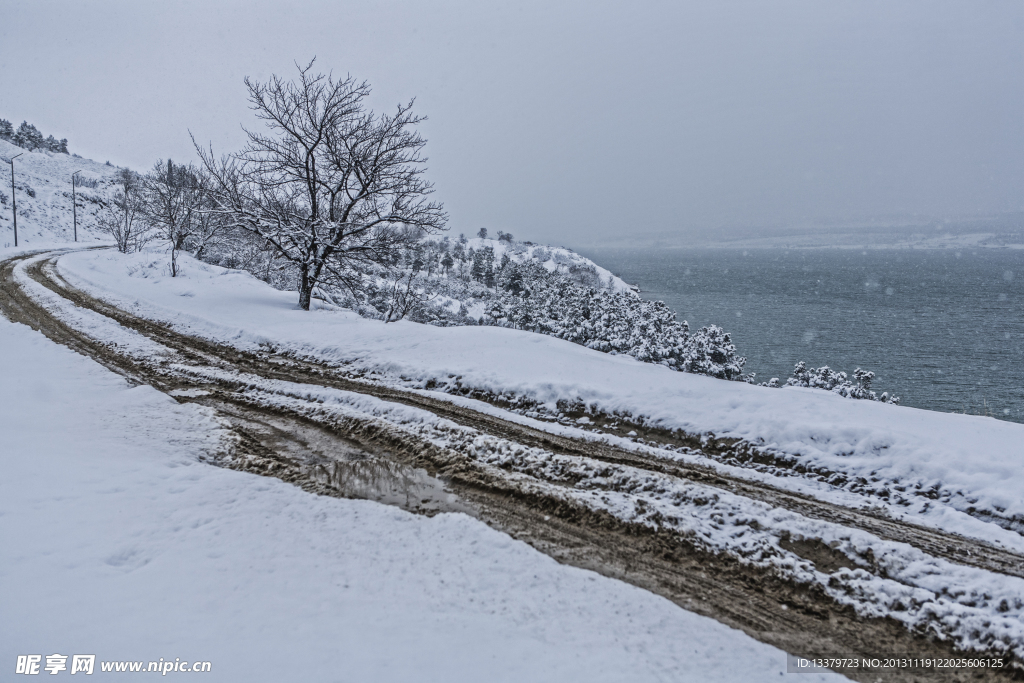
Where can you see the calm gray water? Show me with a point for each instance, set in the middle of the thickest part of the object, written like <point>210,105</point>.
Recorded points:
<point>942,329</point>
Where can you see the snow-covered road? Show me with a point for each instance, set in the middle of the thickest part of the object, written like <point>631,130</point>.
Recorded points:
<point>942,469</point>
<point>120,542</point>
<point>877,576</point>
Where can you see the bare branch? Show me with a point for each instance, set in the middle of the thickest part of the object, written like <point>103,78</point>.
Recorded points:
<point>329,183</point>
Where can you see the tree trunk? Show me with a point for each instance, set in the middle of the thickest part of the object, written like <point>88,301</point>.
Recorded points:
<point>305,290</point>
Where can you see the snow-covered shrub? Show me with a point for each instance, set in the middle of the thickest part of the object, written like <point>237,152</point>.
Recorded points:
<point>711,352</point>
<point>817,378</point>
<point>531,298</point>
<point>540,254</point>
<point>82,181</point>
<point>838,382</point>
<point>561,258</point>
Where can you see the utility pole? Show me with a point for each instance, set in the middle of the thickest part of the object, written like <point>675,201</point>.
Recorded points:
<point>14,201</point>
<point>74,204</point>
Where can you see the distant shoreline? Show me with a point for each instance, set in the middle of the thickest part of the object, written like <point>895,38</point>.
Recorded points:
<point>948,243</point>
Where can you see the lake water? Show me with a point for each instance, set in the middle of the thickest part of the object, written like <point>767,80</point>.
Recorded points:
<point>942,329</point>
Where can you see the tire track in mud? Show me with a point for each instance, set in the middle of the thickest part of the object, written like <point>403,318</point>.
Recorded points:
<point>799,619</point>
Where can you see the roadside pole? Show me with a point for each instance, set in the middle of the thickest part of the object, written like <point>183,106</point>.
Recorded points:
<point>74,204</point>
<point>14,201</point>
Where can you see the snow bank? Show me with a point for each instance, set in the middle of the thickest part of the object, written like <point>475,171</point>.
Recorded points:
<point>961,462</point>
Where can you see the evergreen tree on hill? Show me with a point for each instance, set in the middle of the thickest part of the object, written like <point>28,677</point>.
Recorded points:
<point>28,137</point>
<point>55,145</point>
<point>488,276</point>
<point>479,268</point>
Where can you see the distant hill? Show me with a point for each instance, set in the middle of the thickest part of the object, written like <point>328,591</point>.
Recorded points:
<point>996,231</point>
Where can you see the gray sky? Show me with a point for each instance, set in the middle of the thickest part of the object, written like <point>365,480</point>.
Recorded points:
<point>577,122</point>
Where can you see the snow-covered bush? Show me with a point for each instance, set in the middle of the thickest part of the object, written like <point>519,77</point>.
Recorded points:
<point>838,383</point>
<point>531,298</point>
<point>540,254</point>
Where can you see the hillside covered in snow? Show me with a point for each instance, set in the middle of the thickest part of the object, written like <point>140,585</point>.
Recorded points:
<point>42,186</point>
<point>443,281</point>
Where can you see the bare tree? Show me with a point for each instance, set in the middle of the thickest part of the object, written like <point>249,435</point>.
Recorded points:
<point>174,198</point>
<point>208,229</point>
<point>402,295</point>
<point>122,216</point>
<point>331,183</point>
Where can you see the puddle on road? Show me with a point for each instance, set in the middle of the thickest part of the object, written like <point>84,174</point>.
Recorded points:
<point>330,459</point>
<point>388,482</point>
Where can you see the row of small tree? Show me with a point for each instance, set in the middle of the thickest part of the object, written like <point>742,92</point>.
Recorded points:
<point>531,298</point>
<point>28,137</point>
<point>574,305</point>
<point>451,259</point>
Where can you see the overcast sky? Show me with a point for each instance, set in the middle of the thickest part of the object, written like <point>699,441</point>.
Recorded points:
<point>578,122</point>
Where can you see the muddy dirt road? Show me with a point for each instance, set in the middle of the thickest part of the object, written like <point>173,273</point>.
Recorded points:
<point>346,455</point>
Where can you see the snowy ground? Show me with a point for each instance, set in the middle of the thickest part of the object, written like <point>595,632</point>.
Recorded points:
<point>121,542</point>
<point>955,472</point>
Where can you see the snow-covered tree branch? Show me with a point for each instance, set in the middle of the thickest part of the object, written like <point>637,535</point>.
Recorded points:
<point>330,183</point>
<point>174,206</point>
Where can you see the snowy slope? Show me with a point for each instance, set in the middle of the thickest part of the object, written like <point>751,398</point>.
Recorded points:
<point>47,216</point>
<point>554,259</point>
<point>120,542</point>
<point>951,471</point>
